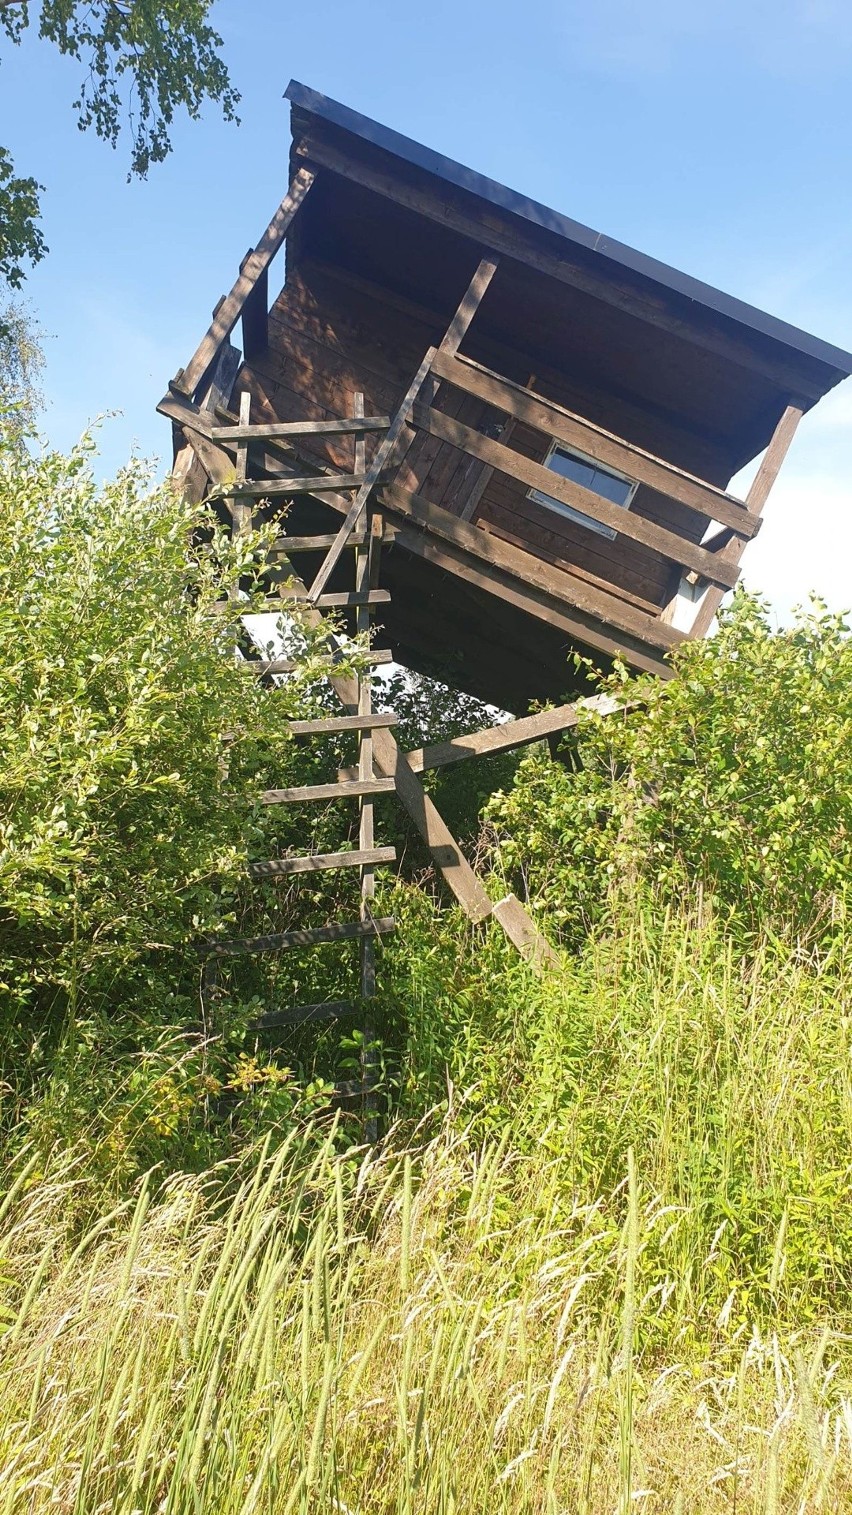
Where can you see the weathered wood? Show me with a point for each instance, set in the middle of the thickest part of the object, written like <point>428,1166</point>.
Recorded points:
<point>369,720</point>
<point>380,461</point>
<point>506,737</point>
<point>261,666</point>
<point>611,451</point>
<point>314,484</point>
<point>524,935</point>
<point>315,936</point>
<point>255,317</point>
<point>229,311</point>
<point>540,579</point>
<point>321,862</point>
<point>288,545</point>
<point>471,301</point>
<point>524,593</point>
<point>304,1015</point>
<point>305,793</point>
<point>346,599</point>
<point>278,429</point>
<point>756,498</point>
<point>536,476</point>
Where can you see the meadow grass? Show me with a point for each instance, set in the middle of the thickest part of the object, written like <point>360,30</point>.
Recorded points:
<point>586,1311</point>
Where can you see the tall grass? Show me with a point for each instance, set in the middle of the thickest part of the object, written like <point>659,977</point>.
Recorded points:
<point>627,1296</point>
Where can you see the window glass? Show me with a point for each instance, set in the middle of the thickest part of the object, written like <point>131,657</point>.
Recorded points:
<point>610,486</point>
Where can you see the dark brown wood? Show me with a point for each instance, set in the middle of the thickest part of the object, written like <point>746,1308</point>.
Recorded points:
<point>490,228</point>
<point>380,461</point>
<point>625,522</point>
<point>288,545</point>
<point>563,426</point>
<point>539,579</point>
<point>228,313</point>
<point>316,936</point>
<point>756,498</point>
<point>304,1015</point>
<point>255,321</point>
<point>320,862</point>
<point>305,793</point>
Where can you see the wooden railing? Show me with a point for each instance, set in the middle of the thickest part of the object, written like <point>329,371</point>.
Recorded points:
<point>555,422</point>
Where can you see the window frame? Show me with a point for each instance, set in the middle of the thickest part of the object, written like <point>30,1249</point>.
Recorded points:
<point>569,512</point>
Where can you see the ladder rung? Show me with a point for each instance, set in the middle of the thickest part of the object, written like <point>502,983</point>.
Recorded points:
<point>339,599</point>
<point>260,666</point>
<point>280,867</point>
<point>315,936</point>
<point>313,544</point>
<point>324,483</point>
<point>347,790</point>
<point>342,723</point>
<point>302,1015</point>
<point>271,431</point>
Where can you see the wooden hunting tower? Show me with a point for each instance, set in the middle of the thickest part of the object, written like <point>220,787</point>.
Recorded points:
<point>543,422</point>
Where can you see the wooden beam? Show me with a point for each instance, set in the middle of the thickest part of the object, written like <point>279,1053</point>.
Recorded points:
<point>318,862</point>
<point>254,265</point>
<point>470,303</point>
<point>368,721</point>
<point>255,322</point>
<point>316,484</point>
<point>306,793</point>
<point>536,476</point>
<point>523,934</point>
<point>276,429</point>
<point>380,461</point>
<point>506,737</point>
<point>564,426</point>
<point>643,652</point>
<point>491,228</point>
<point>315,936</point>
<point>557,585</point>
<point>756,498</point>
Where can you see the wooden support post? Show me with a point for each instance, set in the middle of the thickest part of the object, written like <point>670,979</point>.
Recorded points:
<point>756,498</point>
<point>399,437</point>
<point>256,318</point>
<point>230,309</point>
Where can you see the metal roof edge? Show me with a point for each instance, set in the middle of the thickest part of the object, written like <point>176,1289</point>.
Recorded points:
<point>542,216</point>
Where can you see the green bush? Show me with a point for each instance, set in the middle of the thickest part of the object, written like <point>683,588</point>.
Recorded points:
<point>734,776</point>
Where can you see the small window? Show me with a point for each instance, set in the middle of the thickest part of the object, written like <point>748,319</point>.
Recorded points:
<point>615,487</point>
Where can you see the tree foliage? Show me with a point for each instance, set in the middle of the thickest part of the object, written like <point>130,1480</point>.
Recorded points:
<point>736,775</point>
<point>142,63</point>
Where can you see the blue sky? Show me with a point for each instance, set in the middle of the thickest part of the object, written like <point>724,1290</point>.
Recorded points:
<point>714,134</point>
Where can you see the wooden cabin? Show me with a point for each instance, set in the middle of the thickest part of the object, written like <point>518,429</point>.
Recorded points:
<point>565,413</point>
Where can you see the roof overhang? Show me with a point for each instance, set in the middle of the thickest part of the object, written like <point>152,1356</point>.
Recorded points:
<point>661,340</point>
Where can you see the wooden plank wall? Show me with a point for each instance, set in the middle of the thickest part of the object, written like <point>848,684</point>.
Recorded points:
<point>331,336</point>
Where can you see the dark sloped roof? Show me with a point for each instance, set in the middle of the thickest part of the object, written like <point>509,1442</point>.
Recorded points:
<point>573,232</point>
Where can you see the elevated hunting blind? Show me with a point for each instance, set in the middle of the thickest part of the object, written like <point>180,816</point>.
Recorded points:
<point>537,424</point>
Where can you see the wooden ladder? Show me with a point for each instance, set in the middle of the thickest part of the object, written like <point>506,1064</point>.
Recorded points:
<point>366,785</point>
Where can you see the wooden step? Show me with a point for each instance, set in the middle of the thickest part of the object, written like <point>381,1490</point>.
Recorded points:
<point>307,792</point>
<point>313,544</point>
<point>338,600</point>
<point>331,723</point>
<point>303,1015</point>
<point>325,483</point>
<point>281,867</point>
<point>314,936</point>
<point>269,431</point>
<point>260,666</point>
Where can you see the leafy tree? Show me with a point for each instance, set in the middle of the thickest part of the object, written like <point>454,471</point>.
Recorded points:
<point>734,775</point>
<point>21,364</point>
<point>142,62</point>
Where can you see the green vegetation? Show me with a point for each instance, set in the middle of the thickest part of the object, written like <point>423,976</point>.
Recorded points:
<point>599,1260</point>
